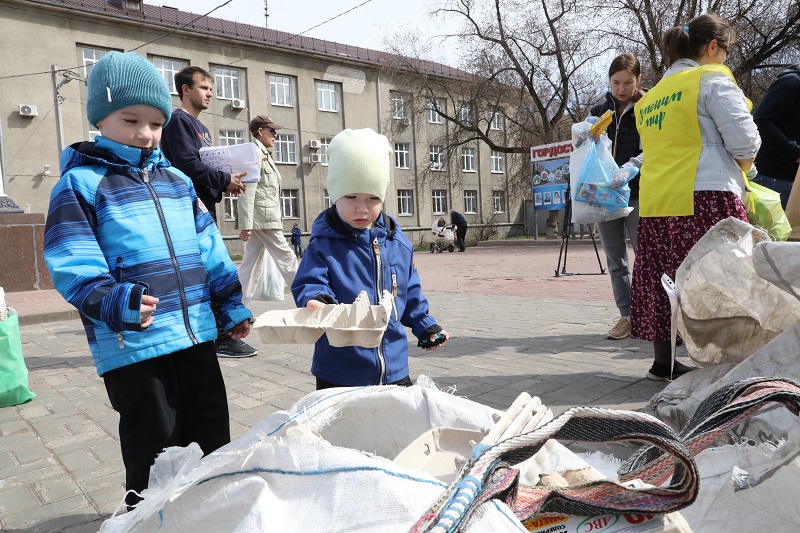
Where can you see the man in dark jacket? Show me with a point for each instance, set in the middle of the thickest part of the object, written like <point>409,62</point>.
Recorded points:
<point>184,135</point>
<point>458,220</point>
<point>778,121</point>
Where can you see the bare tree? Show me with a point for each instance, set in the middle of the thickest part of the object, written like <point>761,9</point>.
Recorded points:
<point>768,34</point>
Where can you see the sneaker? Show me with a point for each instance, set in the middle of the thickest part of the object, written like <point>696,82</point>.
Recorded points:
<point>620,330</point>
<point>659,372</point>
<point>228,347</point>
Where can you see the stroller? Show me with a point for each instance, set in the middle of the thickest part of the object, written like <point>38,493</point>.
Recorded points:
<point>443,238</point>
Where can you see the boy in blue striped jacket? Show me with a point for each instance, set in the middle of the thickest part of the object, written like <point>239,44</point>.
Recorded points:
<point>130,246</point>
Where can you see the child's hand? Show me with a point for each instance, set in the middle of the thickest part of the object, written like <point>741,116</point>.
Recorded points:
<point>240,330</point>
<point>147,309</point>
<point>433,338</point>
<point>245,234</point>
<point>314,304</point>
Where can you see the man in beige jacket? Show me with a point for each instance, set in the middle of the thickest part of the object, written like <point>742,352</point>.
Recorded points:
<point>259,214</point>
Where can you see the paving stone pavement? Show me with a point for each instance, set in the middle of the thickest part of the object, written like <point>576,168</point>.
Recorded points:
<point>514,327</point>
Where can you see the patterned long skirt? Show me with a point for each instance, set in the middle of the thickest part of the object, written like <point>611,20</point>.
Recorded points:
<point>663,244</point>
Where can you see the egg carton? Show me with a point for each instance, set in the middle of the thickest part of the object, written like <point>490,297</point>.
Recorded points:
<point>356,324</point>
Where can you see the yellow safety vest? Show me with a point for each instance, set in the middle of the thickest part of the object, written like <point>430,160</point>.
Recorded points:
<point>666,117</point>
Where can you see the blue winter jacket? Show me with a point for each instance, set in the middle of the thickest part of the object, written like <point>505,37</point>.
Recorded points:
<point>340,262</point>
<point>122,222</point>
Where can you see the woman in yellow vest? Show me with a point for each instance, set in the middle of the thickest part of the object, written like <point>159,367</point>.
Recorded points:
<point>697,137</point>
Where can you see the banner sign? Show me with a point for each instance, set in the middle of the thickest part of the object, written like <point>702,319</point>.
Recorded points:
<point>550,169</point>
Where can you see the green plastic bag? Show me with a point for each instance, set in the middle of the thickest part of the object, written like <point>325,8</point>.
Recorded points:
<point>13,373</point>
<point>764,210</point>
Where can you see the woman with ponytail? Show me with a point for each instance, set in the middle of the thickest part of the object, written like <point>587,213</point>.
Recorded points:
<point>697,137</point>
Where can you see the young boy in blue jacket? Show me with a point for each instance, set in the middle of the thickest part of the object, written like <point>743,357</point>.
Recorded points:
<point>130,246</point>
<point>355,247</point>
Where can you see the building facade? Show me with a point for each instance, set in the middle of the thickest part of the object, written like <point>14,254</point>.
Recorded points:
<point>314,88</point>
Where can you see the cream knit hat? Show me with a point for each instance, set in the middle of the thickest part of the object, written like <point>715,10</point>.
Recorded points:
<point>359,161</point>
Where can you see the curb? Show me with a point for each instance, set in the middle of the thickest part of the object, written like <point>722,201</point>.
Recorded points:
<point>539,242</point>
<point>44,318</point>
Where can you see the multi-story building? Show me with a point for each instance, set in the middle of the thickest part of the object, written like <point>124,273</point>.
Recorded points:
<point>314,88</point>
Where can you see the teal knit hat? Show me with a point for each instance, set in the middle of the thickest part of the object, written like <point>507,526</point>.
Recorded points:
<point>124,79</point>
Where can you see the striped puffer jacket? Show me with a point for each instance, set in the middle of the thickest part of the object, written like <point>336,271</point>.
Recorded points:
<point>122,222</point>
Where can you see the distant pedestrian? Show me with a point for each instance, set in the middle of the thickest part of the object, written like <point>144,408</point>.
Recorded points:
<point>356,247</point>
<point>460,223</point>
<point>259,217</point>
<point>297,241</point>
<point>128,243</point>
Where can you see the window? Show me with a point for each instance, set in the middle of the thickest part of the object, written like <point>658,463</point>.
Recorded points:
<point>227,83</point>
<point>405,202</point>
<point>499,201</point>
<point>439,200</point>
<point>468,159</point>
<point>495,119</point>
<point>399,105</point>
<point>290,203</point>
<point>326,97</point>
<point>436,157</point>
<point>280,91</point>
<point>230,137</point>
<point>168,68</point>
<point>326,200</point>
<point>434,106</point>
<point>90,57</point>
<point>465,113</point>
<point>323,151</point>
<point>471,201</point>
<point>229,205</point>
<point>285,148</point>
<point>498,162</point>
<point>402,155</point>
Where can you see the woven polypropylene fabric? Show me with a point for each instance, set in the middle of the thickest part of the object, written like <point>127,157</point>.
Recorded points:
<point>585,424</point>
<point>714,417</point>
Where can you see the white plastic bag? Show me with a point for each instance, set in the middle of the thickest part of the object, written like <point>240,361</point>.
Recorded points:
<point>270,283</point>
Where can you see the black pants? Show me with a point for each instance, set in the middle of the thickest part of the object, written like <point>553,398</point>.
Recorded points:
<point>172,400</point>
<point>461,234</point>
<point>405,382</point>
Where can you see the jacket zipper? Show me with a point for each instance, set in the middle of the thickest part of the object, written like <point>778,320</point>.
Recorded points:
<point>120,279</point>
<point>181,290</point>
<point>378,293</point>
<point>394,294</point>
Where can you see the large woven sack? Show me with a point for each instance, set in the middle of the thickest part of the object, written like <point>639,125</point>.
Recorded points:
<point>731,302</point>
<point>278,478</point>
<point>677,403</point>
<point>745,484</point>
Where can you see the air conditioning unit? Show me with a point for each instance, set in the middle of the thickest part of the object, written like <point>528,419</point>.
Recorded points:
<point>318,158</point>
<point>238,103</point>
<point>314,143</point>
<point>28,110</point>
<point>406,121</point>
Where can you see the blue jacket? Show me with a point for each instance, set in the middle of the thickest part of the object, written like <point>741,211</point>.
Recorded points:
<point>340,262</point>
<point>123,223</point>
<point>296,233</point>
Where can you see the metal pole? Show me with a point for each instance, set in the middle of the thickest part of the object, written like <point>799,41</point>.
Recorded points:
<point>57,105</point>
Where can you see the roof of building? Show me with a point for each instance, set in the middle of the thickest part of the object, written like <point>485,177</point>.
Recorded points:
<point>176,19</point>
